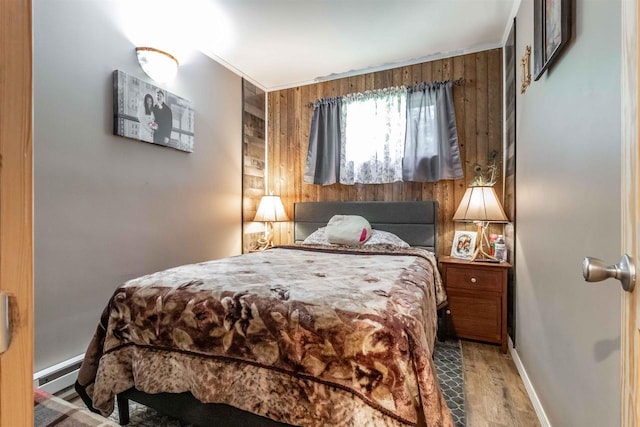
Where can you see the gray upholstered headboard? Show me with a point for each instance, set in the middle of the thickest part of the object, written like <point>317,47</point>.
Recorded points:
<point>413,222</point>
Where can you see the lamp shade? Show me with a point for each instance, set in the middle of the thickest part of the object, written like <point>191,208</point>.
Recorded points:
<point>157,64</point>
<point>480,204</point>
<point>271,210</point>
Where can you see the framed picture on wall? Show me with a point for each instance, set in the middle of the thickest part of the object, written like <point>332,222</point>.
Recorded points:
<point>464,244</point>
<point>551,32</point>
<point>150,113</point>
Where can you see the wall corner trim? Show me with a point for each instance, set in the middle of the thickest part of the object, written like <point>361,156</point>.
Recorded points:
<point>512,15</point>
<point>535,401</point>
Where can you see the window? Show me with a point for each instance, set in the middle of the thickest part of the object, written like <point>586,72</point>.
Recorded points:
<point>373,134</point>
<point>382,136</point>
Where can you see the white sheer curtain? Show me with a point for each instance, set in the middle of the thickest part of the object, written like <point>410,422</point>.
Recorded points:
<point>373,134</point>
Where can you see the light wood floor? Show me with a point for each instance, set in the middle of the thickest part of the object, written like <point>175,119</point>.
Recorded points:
<point>494,392</point>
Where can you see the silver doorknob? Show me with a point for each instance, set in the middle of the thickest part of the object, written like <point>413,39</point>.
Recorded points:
<point>595,270</point>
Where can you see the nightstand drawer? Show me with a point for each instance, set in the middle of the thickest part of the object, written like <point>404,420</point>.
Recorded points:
<point>474,279</point>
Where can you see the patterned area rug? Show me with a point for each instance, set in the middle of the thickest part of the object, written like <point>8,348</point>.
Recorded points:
<point>448,360</point>
<point>142,416</point>
<point>51,411</point>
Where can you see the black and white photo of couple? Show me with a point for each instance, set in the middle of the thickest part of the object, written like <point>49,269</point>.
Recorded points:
<point>155,119</point>
<point>148,113</point>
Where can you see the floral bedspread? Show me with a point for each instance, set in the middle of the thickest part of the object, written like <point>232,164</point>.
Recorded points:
<point>304,335</point>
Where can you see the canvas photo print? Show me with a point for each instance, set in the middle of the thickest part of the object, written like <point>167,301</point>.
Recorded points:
<point>151,114</point>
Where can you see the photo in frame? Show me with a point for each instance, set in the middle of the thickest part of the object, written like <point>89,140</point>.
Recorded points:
<point>464,244</point>
<point>151,114</point>
<point>551,32</point>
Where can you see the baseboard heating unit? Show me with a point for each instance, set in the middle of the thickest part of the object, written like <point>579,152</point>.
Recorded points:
<point>59,379</point>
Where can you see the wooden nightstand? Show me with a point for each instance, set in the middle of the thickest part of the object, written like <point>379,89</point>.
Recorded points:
<point>477,294</point>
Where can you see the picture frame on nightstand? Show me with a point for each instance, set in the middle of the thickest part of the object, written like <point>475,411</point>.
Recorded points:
<point>464,244</point>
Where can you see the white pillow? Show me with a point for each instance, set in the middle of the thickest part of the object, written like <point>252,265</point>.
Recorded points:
<point>319,237</point>
<point>348,230</point>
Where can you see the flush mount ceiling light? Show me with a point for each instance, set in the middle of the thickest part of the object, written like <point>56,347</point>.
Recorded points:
<point>157,64</point>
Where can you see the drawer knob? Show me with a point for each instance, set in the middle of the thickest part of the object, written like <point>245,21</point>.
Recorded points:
<point>474,280</point>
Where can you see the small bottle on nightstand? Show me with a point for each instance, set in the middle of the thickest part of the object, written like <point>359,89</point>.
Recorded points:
<point>500,249</point>
<point>492,244</point>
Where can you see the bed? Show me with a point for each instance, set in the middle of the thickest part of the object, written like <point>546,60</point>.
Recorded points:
<point>307,334</point>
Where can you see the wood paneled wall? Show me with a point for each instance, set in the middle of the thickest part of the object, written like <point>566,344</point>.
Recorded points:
<point>478,107</point>
<point>253,161</point>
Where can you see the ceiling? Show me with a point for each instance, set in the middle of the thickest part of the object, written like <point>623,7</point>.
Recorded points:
<point>286,43</point>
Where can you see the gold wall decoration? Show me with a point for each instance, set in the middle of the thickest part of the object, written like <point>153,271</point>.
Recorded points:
<point>525,69</point>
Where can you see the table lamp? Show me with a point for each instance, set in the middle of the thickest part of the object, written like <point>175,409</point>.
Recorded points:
<point>480,205</point>
<point>270,210</point>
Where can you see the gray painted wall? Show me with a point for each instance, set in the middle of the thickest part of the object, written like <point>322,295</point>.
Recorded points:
<point>108,209</point>
<point>568,207</point>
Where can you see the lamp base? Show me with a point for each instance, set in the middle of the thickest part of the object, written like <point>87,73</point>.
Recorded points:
<point>485,256</point>
<point>266,241</point>
<point>482,227</point>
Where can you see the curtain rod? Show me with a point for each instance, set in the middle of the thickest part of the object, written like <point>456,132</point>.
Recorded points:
<point>457,82</point>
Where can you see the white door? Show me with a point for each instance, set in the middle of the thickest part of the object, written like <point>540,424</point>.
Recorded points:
<point>630,347</point>
<point>16,210</point>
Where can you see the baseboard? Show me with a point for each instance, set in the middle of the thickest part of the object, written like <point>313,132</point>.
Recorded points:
<point>535,401</point>
<point>59,379</point>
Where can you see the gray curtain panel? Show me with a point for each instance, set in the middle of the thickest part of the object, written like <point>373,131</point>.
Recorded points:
<point>431,151</point>
<point>323,157</point>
